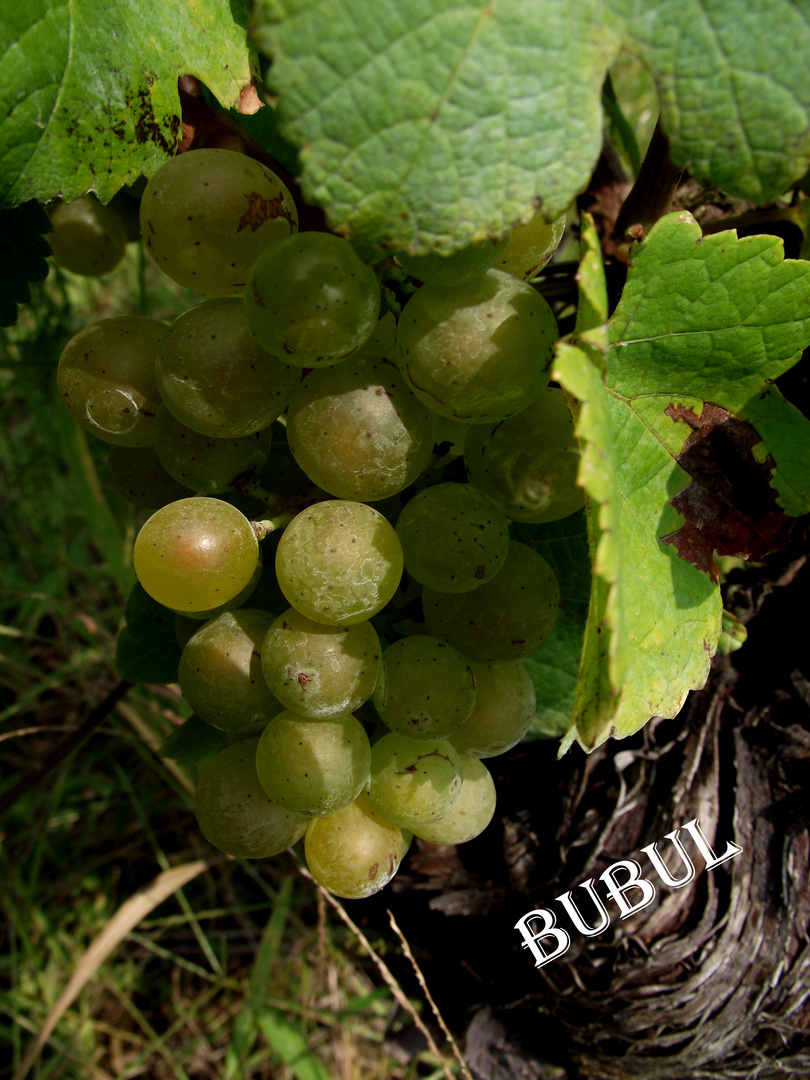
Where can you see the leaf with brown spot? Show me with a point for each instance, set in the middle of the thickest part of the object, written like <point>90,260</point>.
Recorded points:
<point>730,507</point>
<point>670,479</point>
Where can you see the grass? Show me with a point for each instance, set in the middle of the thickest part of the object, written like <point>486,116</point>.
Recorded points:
<point>241,970</point>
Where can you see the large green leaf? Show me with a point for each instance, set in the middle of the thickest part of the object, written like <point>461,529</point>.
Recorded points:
<point>88,89</point>
<point>434,123</point>
<point>702,319</point>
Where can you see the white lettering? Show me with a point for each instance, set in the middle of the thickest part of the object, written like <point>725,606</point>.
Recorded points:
<point>635,881</point>
<point>548,930</point>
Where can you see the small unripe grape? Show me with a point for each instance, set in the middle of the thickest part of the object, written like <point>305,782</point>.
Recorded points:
<point>339,562</point>
<point>470,813</point>
<point>207,215</point>
<point>354,852</point>
<point>195,554</point>
<point>313,766</point>
<point>88,237</point>
<point>477,352</point>
<point>311,300</point>
<point>235,813</point>
<point>106,378</point>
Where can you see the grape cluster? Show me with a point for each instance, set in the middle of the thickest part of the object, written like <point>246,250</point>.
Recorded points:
<point>373,461</point>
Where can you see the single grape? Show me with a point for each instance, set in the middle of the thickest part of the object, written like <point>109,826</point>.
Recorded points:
<point>426,689</point>
<point>235,813</point>
<point>454,538</point>
<point>470,813</point>
<point>311,300</point>
<point>220,672</point>
<point>358,431</point>
<point>215,378</point>
<point>411,782</point>
<point>318,670</point>
<point>207,216</point>
<point>354,852</point>
<point>505,705</point>
<point>205,463</point>
<point>458,268</point>
<point>313,766</point>
<point>531,247</point>
<point>477,352</point>
<point>528,464</point>
<point>88,237</point>
<point>339,562</point>
<point>106,378</point>
<point>506,619</point>
<point>137,474</point>
<point>195,554</point>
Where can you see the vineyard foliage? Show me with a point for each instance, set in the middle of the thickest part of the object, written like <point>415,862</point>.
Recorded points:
<point>433,124</point>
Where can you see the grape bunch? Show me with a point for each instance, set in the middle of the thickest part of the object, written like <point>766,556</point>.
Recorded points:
<point>333,490</point>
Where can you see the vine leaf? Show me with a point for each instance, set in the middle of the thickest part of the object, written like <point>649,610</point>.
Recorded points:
<point>88,89</point>
<point>146,649</point>
<point>701,320</point>
<point>434,124</point>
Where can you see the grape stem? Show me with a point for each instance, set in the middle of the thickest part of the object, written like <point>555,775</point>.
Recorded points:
<point>263,529</point>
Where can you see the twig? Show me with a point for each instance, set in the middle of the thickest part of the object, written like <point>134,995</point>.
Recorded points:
<point>60,752</point>
<point>465,1072</point>
<point>383,969</point>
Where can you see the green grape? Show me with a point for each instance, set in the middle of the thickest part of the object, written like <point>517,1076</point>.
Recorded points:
<point>358,432</point>
<point>504,709</point>
<point>477,352</point>
<point>412,782</point>
<point>235,814</point>
<point>528,464</point>
<point>313,766</point>
<point>106,378</point>
<point>318,670</point>
<point>339,562</point>
<point>215,378</point>
<point>207,216</point>
<point>311,300</point>
<point>454,538</point>
<point>88,237</point>
<point>459,268</point>
<point>353,853</point>
<point>137,474</point>
<point>205,463</point>
<point>470,813</point>
<point>195,554</point>
<point>426,689</point>
<point>220,672</point>
<point>531,246</point>
<point>506,619</point>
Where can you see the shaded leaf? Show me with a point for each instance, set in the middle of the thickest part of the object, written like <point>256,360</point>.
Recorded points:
<point>435,124</point>
<point>147,649</point>
<point>193,742</point>
<point>555,666</point>
<point>23,256</point>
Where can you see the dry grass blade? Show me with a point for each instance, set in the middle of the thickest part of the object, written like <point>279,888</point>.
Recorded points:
<point>382,967</point>
<point>465,1072</point>
<point>131,912</point>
